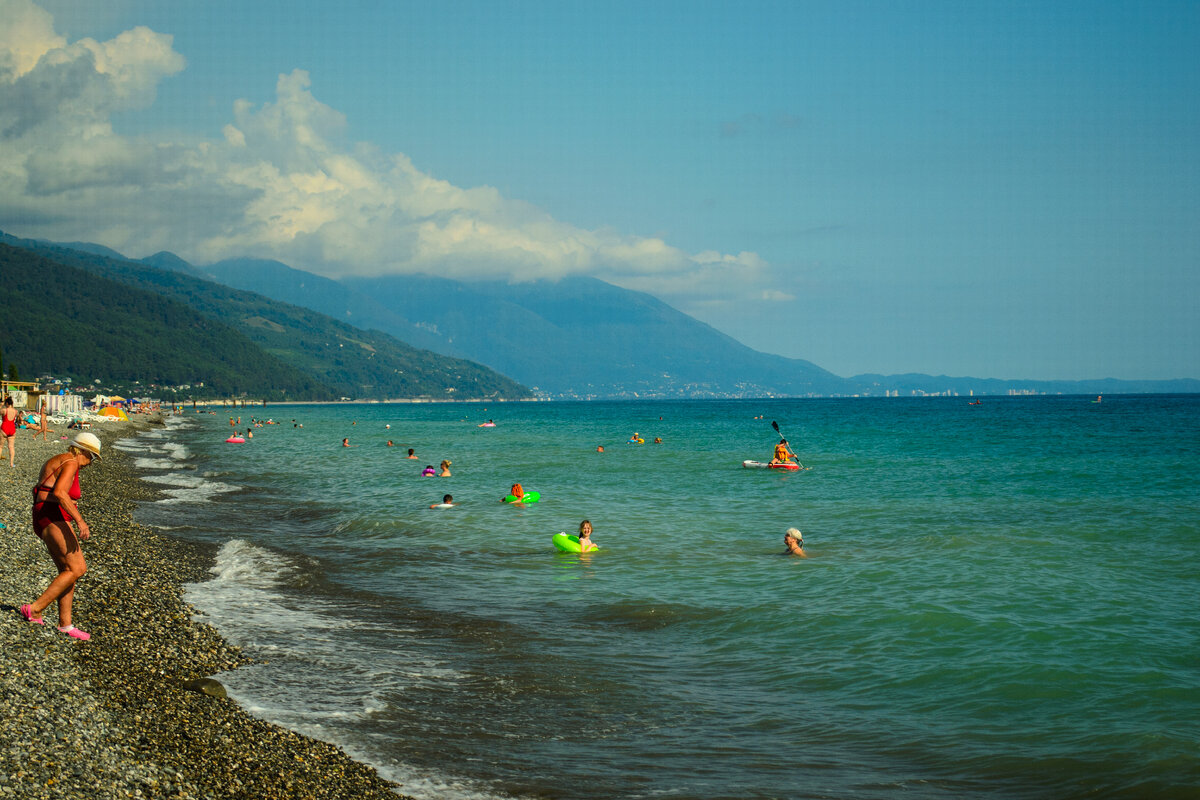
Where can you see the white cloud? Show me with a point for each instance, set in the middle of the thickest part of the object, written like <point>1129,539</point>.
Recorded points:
<point>27,33</point>
<point>280,182</point>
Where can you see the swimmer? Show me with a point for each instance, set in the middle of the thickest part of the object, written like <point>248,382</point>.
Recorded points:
<point>389,444</point>
<point>585,537</point>
<point>447,500</point>
<point>428,472</point>
<point>445,465</point>
<point>793,539</point>
<point>411,454</point>
<point>516,491</point>
<point>346,442</point>
<point>599,448</point>
<point>658,440</point>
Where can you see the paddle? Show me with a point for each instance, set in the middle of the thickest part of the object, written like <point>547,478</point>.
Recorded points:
<point>783,439</point>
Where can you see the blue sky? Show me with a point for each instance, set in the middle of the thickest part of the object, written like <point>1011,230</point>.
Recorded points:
<point>993,189</point>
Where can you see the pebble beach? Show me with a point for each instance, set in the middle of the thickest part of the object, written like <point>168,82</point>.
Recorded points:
<point>123,715</point>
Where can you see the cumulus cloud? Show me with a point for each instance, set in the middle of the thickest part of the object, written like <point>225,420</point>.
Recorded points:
<point>280,182</point>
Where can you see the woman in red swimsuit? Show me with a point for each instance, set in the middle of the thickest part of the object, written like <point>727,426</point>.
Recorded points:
<point>8,426</point>
<point>53,511</point>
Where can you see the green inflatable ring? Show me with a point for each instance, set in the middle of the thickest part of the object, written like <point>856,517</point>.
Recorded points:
<point>530,497</point>
<point>568,544</point>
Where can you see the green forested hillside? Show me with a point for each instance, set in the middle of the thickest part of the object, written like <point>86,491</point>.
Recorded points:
<point>341,359</point>
<point>63,321</point>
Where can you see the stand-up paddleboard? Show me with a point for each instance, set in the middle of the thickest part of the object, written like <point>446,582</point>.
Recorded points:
<point>791,466</point>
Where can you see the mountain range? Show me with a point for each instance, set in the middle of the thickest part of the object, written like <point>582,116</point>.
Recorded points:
<point>88,312</point>
<point>584,338</point>
<point>575,338</point>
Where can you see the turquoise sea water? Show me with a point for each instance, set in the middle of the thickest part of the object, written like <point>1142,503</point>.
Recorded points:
<point>1000,599</point>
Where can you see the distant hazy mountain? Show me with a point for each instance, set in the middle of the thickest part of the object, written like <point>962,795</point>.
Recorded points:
<point>575,337</point>
<point>585,337</point>
<point>281,282</point>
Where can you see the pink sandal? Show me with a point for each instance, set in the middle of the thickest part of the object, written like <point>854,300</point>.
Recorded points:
<point>27,613</point>
<point>71,630</point>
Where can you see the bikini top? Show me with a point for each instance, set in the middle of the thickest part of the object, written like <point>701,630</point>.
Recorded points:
<point>75,493</point>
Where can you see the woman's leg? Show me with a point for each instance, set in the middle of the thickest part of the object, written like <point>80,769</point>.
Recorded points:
<point>68,557</point>
<point>12,453</point>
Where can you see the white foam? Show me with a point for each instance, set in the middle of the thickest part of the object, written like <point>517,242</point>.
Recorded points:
<point>190,488</point>
<point>153,463</point>
<point>331,665</point>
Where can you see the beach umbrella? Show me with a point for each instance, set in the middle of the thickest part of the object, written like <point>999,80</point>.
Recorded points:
<point>114,412</point>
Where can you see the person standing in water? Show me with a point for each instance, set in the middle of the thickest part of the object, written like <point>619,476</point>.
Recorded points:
<point>793,540</point>
<point>54,510</point>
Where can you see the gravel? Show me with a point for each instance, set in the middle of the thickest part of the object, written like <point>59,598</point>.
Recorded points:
<point>113,717</point>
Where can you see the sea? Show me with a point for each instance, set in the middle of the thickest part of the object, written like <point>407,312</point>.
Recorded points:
<point>1001,598</point>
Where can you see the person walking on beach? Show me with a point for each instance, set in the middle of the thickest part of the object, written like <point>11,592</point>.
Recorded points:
<point>43,429</point>
<point>8,426</point>
<point>54,509</point>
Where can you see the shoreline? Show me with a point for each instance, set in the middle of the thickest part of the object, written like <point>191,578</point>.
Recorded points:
<point>112,717</point>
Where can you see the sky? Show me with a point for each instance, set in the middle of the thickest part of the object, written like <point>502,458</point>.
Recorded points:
<point>994,189</point>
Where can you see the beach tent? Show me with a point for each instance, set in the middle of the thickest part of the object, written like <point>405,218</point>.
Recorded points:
<point>114,412</point>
